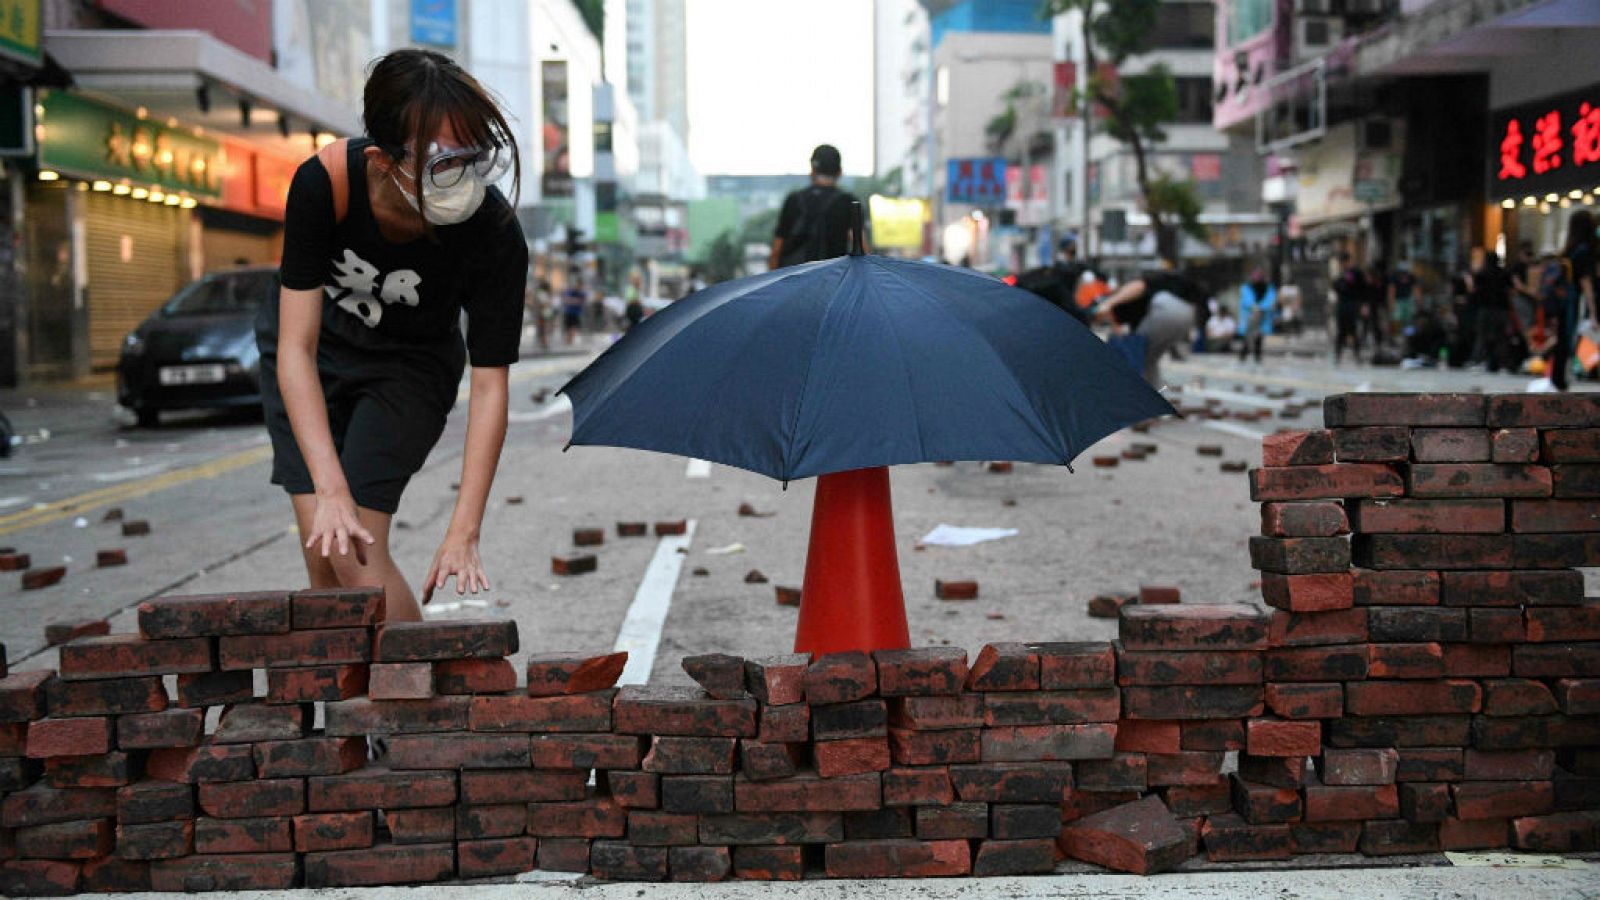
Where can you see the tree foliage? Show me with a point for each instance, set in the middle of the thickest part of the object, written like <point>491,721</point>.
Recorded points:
<point>724,258</point>
<point>1135,105</point>
<point>594,16</point>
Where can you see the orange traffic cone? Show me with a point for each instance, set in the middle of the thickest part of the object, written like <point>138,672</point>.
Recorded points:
<point>852,598</point>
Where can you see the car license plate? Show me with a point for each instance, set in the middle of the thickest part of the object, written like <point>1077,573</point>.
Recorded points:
<point>178,375</point>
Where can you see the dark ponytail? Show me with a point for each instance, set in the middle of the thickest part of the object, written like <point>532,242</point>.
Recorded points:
<point>409,95</point>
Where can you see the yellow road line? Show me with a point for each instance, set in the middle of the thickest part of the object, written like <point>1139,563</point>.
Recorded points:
<point>70,506</point>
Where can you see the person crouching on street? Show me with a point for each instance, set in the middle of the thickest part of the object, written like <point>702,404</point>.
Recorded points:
<point>388,238</point>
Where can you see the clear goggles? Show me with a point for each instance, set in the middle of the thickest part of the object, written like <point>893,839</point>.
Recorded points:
<point>445,168</point>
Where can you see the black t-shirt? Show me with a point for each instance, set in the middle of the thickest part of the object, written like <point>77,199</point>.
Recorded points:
<point>814,224</point>
<point>1404,284</point>
<point>380,295</point>
<point>1582,259</point>
<point>1350,289</point>
<point>1491,288</point>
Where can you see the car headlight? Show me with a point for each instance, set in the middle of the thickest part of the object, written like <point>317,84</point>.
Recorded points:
<point>132,345</point>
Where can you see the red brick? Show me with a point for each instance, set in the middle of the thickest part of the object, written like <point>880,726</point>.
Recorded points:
<point>109,875</point>
<point>1509,765</point>
<point>43,805</point>
<point>1480,834</point>
<point>1014,857</point>
<point>334,646</point>
<point>1555,551</point>
<point>1074,665</point>
<point>1397,836</point>
<point>925,671</point>
<point>1297,448</point>
<point>1372,444</point>
<point>758,863</point>
<point>1399,731</point>
<point>564,855</point>
<point>1319,518</point>
<point>554,714</point>
<point>1553,516</point>
<point>680,711</point>
<point>23,695</point>
<point>1300,556</point>
<point>1122,772</point>
<point>491,821</point>
<point>1157,667</point>
<point>83,839</point>
<point>691,756</point>
<point>242,799</point>
<point>1191,702</point>
<point>650,828</point>
<point>1334,803</point>
<point>1578,697</point>
<point>1207,627</point>
<point>380,788</point>
<point>1456,516</point>
<point>474,676</point>
<point>786,596</point>
<point>112,696</point>
<point>523,786</point>
<point>1270,771</point>
<point>634,790</point>
<point>955,590</point>
<point>1109,606</point>
<point>1577,623</point>
<point>1213,734</point>
<point>854,756</point>
<point>777,680</point>
<point>232,872</point>
<point>1005,667</point>
<point>458,751</point>
<point>311,756</point>
<point>574,564</point>
<point>361,716</point>
<point>719,674</point>
<point>62,632</point>
<point>154,801</point>
<point>333,831</point>
<point>787,724</point>
<point>1412,698</point>
<point>411,864</point>
<point>617,861</point>
<point>757,829</point>
<point>1190,767</point>
<point>1496,626</point>
<point>1335,663</point>
<point>586,751</point>
<point>106,770</point>
<point>1042,782</point>
<point>1145,736</point>
<point>1567,660</point>
<point>1052,707</point>
<point>1151,594</point>
<point>251,722</point>
<point>1082,804</point>
<point>260,612</point>
<point>155,840</point>
<point>858,719</point>
<point>355,607</point>
<point>123,655</point>
<point>421,826</point>
<point>315,684</point>
<point>697,793</point>
<point>1476,660</point>
<point>1324,482</point>
<point>1502,799</point>
<point>632,529</point>
<point>1230,838</point>
<point>1533,732</point>
<point>1426,410</point>
<point>1044,743</point>
<point>1325,837</point>
<point>1395,588</point>
<point>935,713</point>
<point>1315,629</point>
<point>898,859</point>
<point>1568,832</point>
<point>1451,445</point>
<point>931,748</point>
<point>15,562</point>
<point>588,537</point>
<point>761,761</point>
<point>672,528</point>
<point>427,641</point>
<point>215,688</point>
<point>1306,700</point>
<point>38,579</point>
<point>39,877</point>
<point>1417,624</point>
<point>172,728</point>
<point>1430,764</point>
<point>919,787</point>
<point>496,856</point>
<point>1513,588</point>
<point>1422,660</point>
<point>953,822</point>
<point>400,681</point>
<point>1574,445</point>
<point>1360,766</point>
<point>596,817</point>
<point>553,674</point>
<point>69,737</point>
<point>1279,737</point>
<point>1308,593</point>
<point>1543,411</point>
<point>1186,800</point>
<point>105,559</point>
<point>1477,480</point>
<point>1142,838</point>
<point>808,793</point>
<point>1433,551</point>
<point>1514,445</point>
<point>253,835</point>
<point>1425,802</point>
<point>1517,697</point>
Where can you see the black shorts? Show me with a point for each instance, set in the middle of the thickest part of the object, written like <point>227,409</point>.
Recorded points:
<point>386,411</point>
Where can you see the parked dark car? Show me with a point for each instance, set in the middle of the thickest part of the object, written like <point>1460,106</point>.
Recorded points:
<point>198,351</point>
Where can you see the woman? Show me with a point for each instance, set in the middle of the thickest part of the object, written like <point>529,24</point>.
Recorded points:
<point>1573,300</point>
<point>1258,306</point>
<point>1150,308</point>
<point>387,239</point>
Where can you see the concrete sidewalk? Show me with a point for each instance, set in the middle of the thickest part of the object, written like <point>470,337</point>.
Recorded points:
<point>1303,884</point>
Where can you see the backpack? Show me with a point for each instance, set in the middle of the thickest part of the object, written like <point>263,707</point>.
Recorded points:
<point>804,243</point>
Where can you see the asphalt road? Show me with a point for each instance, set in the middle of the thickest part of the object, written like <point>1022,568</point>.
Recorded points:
<point>201,482</point>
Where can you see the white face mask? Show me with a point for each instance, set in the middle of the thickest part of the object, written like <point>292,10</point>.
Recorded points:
<point>446,206</point>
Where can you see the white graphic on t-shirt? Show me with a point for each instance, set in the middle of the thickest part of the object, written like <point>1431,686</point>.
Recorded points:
<point>353,283</point>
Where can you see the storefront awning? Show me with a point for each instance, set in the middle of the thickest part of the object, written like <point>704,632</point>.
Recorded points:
<point>193,77</point>
<point>1444,38</point>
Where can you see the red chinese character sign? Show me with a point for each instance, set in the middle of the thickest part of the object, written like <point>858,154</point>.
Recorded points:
<point>1550,146</point>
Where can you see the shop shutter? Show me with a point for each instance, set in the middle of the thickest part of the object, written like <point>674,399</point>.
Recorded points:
<point>122,292</point>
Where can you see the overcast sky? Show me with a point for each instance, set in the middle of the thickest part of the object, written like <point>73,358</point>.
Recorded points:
<point>771,79</point>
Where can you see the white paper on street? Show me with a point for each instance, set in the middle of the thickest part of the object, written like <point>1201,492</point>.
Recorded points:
<point>961,536</point>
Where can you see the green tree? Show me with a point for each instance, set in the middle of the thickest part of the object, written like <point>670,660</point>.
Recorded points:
<point>889,184</point>
<point>724,258</point>
<point>758,228</point>
<point>1135,106</point>
<point>594,16</point>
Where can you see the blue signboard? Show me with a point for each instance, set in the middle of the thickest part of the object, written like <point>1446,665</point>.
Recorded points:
<point>980,181</point>
<point>433,22</point>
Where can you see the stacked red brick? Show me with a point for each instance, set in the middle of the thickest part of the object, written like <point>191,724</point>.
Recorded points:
<point>1421,555</point>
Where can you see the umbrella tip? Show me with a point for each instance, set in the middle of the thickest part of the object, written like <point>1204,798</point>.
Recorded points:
<point>857,242</point>
<point>567,447</point>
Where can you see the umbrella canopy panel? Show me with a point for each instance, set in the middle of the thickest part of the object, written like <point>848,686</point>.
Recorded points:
<point>857,362</point>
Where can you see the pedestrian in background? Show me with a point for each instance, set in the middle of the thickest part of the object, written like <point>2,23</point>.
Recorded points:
<point>1375,315</point>
<point>1150,308</point>
<point>1402,297</point>
<point>1258,306</point>
<point>815,221</point>
<point>1491,296</point>
<point>1350,294</point>
<point>1570,293</point>
<point>573,300</point>
<point>387,239</point>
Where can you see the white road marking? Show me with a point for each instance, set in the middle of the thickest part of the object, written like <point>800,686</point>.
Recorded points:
<point>1235,397</point>
<point>8,502</point>
<point>134,472</point>
<point>1236,430</point>
<point>698,468</point>
<point>640,634</point>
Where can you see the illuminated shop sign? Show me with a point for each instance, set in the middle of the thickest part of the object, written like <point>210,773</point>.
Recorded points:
<point>1548,147</point>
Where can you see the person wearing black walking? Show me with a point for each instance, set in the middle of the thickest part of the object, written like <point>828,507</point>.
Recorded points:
<point>1573,301</point>
<point>1350,292</point>
<point>1490,287</point>
<point>815,222</point>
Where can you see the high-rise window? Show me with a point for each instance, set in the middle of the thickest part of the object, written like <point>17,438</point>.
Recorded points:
<point>1185,26</point>
<point>1248,18</point>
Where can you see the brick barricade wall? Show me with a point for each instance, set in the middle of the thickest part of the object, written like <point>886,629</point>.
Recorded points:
<point>1428,677</point>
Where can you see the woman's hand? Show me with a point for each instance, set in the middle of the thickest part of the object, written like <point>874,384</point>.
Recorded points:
<point>457,556</point>
<point>337,526</point>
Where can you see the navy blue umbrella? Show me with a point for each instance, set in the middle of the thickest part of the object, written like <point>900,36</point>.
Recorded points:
<point>857,362</point>
<point>840,369</point>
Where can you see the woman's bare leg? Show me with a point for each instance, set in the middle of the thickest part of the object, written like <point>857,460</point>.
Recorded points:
<point>318,569</point>
<point>399,602</point>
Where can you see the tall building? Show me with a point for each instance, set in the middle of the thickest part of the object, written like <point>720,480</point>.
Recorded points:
<point>658,63</point>
<point>901,96</point>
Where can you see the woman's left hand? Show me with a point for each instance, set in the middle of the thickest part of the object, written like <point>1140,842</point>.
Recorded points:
<point>457,556</point>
